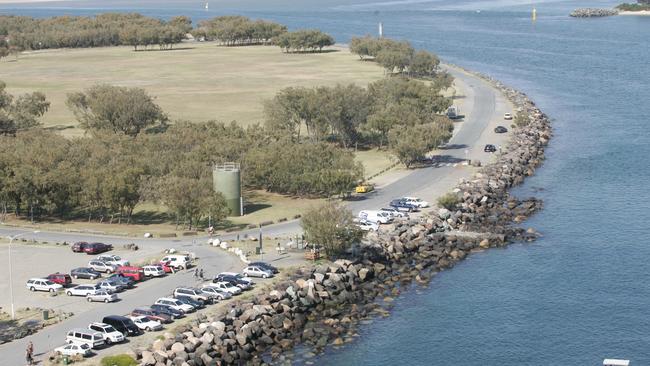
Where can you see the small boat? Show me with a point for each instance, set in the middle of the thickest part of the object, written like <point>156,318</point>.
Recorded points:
<point>206,6</point>
<point>615,362</point>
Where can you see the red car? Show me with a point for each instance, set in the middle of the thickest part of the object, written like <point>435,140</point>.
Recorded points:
<point>96,248</point>
<point>61,278</point>
<point>165,266</point>
<point>136,273</point>
<point>79,246</point>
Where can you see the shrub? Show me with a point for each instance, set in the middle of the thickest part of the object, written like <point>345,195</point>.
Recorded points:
<point>119,360</point>
<point>449,201</point>
<point>522,119</point>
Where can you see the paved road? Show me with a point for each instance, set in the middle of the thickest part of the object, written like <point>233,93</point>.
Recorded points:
<point>482,105</point>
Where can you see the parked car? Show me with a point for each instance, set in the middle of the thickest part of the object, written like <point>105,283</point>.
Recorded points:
<point>402,206</point>
<point>110,334</point>
<point>121,279</point>
<point>379,217</point>
<point>176,304</point>
<point>85,272</point>
<point>135,273</point>
<point>79,246</point>
<point>500,129</point>
<point>113,259</point>
<point>123,325</point>
<point>190,301</point>
<point>249,280</point>
<point>62,279</point>
<point>166,267</point>
<point>96,248</point>
<point>366,225</point>
<point>73,349</point>
<point>416,202</point>
<point>41,284</point>
<point>164,309</point>
<point>256,271</point>
<point>153,271</point>
<point>110,286</point>
<point>394,212</point>
<point>144,323</point>
<point>81,290</point>
<point>233,280</point>
<point>85,336</point>
<point>193,293</point>
<point>152,315</point>
<point>490,148</point>
<point>265,266</point>
<point>101,296</point>
<point>227,287</point>
<point>215,293</point>
<point>100,266</point>
<point>507,116</point>
<point>176,261</point>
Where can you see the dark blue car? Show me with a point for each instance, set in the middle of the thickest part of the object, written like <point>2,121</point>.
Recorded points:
<point>84,272</point>
<point>190,301</point>
<point>168,310</point>
<point>402,205</point>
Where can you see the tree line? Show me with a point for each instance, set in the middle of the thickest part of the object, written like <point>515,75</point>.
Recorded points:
<point>396,56</point>
<point>123,162</point>
<point>108,29</point>
<point>308,40</point>
<point>234,30</point>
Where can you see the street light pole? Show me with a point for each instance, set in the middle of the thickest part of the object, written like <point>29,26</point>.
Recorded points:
<point>11,282</point>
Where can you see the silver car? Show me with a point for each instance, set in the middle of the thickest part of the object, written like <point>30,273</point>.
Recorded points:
<point>101,295</point>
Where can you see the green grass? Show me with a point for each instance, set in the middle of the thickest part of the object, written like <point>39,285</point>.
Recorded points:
<point>198,83</point>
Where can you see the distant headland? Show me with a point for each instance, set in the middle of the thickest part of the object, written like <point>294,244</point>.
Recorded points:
<point>642,7</point>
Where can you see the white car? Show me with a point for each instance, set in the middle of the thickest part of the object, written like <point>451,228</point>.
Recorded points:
<point>110,334</point>
<point>176,261</point>
<point>507,116</point>
<point>255,271</point>
<point>145,323</point>
<point>175,304</point>
<point>394,212</point>
<point>153,271</point>
<point>367,225</point>
<point>81,290</point>
<point>40,284</point>
<point>113,259</point>
<point>101,266</point>
<point>101,295</point>
<point>215,292</point>
<point>226,287</point>
<point>73,349</point>
<point>109,286</point>
<point>415,202</point>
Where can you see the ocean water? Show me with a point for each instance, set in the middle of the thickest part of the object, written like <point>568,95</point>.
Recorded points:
<point>582,292</point>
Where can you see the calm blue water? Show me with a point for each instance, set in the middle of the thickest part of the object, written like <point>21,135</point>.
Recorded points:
<point>581,293</point>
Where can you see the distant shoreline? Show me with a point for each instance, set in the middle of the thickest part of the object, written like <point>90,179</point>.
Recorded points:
<point>18,2</point>
<point>640,12</point>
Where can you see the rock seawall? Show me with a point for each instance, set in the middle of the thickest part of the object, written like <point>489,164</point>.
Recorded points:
<point>321,305</point>
<point>593,12</point>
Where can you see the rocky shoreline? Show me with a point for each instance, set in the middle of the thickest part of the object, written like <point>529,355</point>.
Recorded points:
<point>593,12</point>
<point>322,305</point>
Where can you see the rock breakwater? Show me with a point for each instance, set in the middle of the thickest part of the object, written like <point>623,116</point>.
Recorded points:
<point>593,12</point>
<point>322,305</point>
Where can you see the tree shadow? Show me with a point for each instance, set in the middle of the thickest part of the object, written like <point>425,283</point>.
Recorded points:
<point>253,207</point>
<point>150,217</point>
<point>454,97</point>
<point>453,147</point>
<point>166,49</point>
<point>313,52</point>
<point>59,127</point>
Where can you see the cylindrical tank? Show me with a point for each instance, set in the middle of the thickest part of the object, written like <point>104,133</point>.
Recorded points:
<point>226,179</point>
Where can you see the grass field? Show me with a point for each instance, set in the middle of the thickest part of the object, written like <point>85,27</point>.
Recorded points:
<point>196,82</point>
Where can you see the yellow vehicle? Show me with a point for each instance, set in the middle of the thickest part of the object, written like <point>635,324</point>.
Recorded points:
<point>364,188</point>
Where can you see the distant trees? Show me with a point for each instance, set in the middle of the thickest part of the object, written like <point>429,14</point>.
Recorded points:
<point>309,40</point>
<point>235,30</point>
<point>331,226</point>
<point>22,112</point>
<point>396,56</point>
<point>114,108</point>
<point>108,29</point>
<point>412,143</point>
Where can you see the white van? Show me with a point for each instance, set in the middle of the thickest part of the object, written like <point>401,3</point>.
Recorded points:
<point>176,261</point>
<point>85,336</point>
<point>379,217</point>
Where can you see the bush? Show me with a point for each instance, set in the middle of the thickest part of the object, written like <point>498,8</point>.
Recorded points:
<point>119,360</point>
<point>449,201</point>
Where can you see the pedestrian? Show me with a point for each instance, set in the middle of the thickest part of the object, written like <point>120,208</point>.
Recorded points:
<point>30,353</point>
<point>196,272</point>
<point>201,274</point>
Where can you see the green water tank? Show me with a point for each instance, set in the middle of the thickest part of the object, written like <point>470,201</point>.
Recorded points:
<point>226,179</point>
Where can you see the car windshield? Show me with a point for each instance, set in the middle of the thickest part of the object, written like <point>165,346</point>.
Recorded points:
<point>49,283</point>
<point>109,329</point>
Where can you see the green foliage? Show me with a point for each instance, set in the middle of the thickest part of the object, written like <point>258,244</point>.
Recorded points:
<point>424,64</point>
<point>119,360</point>
<point>642,5</point>
<point>331,226</point>
<point>521,119</point>
<point>309,40</point>
<point>236,30</point>
<point>449,201</point>
<point>108,29</point>
<point>114,108</point>
<point>313,169</point>
<point>411,143</point>
<point>20,113</point>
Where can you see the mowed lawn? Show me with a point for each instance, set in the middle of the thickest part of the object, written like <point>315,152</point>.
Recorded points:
<point>196,82</point>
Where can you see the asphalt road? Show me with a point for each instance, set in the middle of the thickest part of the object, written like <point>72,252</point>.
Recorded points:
<point>480,107</point>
